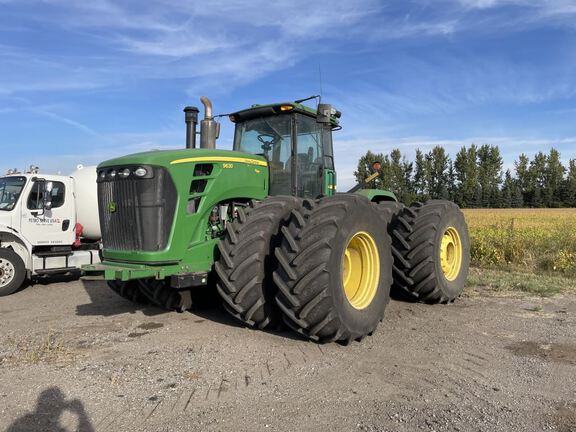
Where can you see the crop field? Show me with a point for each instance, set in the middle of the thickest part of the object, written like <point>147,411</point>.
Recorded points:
<point>540,241</point>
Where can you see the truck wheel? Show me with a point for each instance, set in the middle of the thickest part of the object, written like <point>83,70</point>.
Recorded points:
<point>161,294</point>
<point>128,290</point>
<point>12,271</point>
<point>335,268</point>
<point>244,269</point>
<point>432,252</point>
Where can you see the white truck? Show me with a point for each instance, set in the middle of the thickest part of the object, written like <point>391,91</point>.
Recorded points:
<point>48,225</point>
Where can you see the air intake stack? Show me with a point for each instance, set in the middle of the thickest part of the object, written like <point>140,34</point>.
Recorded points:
<point>191,119</point>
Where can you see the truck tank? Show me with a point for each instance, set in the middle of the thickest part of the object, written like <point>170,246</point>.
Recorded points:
<point>87,201</point>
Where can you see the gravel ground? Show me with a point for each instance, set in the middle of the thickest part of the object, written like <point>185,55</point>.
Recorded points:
<point>75,356</point>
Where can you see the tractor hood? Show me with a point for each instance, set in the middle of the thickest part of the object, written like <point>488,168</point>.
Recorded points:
<point>167,158</point>
<point>157,214</point>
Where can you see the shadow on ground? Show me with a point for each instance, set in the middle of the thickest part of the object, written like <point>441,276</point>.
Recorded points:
<point>47,280</point>
<point>54,413</point>
<point>206,304</point>
<point>104,302</point>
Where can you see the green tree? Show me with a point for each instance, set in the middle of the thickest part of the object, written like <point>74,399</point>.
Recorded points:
<point>553,180</point>
<point>475,177</point>
<point>420,180</point>
<point>397,175</point>
<point>466,172</point>
<point>489,174</point>
<point>524,177</point>
<point>570,185</point>
<point>452,187</point>
<point>517,197</point>
<point>437,166</point>
<point>538,176</point>
<point>507,190</point>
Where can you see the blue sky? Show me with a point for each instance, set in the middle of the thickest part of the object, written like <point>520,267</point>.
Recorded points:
<point>83,81</point>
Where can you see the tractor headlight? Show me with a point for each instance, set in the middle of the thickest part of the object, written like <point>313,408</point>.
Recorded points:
<point>125,172</point>
<point>112,173</point>
<point>140,172</point>
<point>102,174</point>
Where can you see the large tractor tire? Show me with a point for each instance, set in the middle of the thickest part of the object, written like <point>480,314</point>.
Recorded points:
<point>128,290</point>
<point>335,268</point>
<point>161,294</point>
<point>244,269</point>
<point>432,252</point>
<point>12,272</point>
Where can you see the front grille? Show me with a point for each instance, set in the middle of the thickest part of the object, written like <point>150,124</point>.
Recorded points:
<point>136,213</point>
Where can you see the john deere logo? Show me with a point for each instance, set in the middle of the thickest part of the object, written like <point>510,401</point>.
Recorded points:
<point>112,207</point>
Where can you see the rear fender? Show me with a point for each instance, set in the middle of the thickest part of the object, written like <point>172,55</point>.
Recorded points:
<point>377,195</point>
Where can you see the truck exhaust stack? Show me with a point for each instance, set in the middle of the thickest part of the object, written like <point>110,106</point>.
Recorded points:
<point>209,128</point>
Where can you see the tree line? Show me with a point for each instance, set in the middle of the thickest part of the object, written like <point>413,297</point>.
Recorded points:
<point>475,178</point>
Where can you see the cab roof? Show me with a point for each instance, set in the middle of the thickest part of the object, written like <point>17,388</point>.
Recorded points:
<point>258,110</point>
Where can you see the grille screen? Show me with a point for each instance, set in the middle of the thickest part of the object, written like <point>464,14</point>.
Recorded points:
<point>137,213</point>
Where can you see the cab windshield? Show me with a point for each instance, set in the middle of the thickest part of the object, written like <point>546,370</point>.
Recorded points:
<point>10,190</point>
<point>271,137</point>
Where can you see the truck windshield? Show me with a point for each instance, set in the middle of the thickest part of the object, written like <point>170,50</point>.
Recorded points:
<point>10,190</point>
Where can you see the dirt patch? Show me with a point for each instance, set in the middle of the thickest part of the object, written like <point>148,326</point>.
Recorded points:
<point>453,367</point>
<point>560,353</point>
<point>565,418</point>
<point>49,348</point>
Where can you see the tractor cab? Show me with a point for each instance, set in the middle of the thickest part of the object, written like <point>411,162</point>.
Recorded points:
<point>297,142</point>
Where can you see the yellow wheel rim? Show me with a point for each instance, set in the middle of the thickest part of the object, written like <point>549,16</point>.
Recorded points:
<point>451,254</point>
<point>361,270</point>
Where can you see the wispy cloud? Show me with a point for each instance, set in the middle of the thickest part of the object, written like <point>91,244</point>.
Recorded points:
<point>61,119</point>
<point>227,42</point>
<point>547,7</point>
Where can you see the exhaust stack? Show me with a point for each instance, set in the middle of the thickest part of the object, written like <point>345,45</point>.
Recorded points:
<point>209,128</point>
<point>191,119</point>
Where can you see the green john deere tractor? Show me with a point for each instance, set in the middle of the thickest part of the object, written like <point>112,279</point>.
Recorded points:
<point>263,223</point>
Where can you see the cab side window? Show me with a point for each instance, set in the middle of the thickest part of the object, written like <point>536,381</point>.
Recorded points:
<point>36,197</point>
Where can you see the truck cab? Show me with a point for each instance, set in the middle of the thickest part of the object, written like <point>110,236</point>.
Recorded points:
<point>37,207</point>
<point>39,228</point>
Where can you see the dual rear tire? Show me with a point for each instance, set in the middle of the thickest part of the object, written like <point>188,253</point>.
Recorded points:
<point>246,264</point>
<point>431,252</point>
<point>335,261</point>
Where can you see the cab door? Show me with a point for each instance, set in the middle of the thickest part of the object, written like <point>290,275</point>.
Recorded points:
<point>50,227</point>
